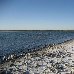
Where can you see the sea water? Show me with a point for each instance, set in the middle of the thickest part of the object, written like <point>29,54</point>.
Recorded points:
<point>20,41</point>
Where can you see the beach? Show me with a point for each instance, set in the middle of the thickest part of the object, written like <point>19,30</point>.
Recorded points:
<point>55,59</point>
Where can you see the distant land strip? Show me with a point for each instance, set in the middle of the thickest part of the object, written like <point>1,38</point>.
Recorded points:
<point>31,30</point>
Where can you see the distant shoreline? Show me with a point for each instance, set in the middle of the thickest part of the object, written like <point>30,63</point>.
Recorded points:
<point>33,30</point>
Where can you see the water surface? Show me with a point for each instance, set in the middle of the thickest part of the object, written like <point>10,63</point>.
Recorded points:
<point>16,41</point>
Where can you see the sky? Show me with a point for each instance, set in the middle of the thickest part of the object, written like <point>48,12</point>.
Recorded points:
<point>36,14</point>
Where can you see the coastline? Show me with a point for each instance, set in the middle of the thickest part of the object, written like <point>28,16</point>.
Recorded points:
<point>50,60</point>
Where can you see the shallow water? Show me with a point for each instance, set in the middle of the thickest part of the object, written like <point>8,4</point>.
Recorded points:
<point>16,41</point>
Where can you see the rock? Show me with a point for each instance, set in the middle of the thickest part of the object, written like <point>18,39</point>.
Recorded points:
<point>27,72</point>
<point>6,72</point>
<point>11,65</point>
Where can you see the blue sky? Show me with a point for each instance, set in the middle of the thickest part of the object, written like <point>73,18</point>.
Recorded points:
<point>36,14</point>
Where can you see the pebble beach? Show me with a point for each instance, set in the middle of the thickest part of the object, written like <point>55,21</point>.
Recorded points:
<point>56,59</point>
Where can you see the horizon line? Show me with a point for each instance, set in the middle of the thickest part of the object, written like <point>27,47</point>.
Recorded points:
<point>38,30</point>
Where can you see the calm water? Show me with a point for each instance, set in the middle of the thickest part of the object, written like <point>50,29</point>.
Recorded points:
<point>14,42</point>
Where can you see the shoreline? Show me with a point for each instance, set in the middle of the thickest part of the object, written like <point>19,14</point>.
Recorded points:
<point>42,59</point>
<point>39,48</point>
